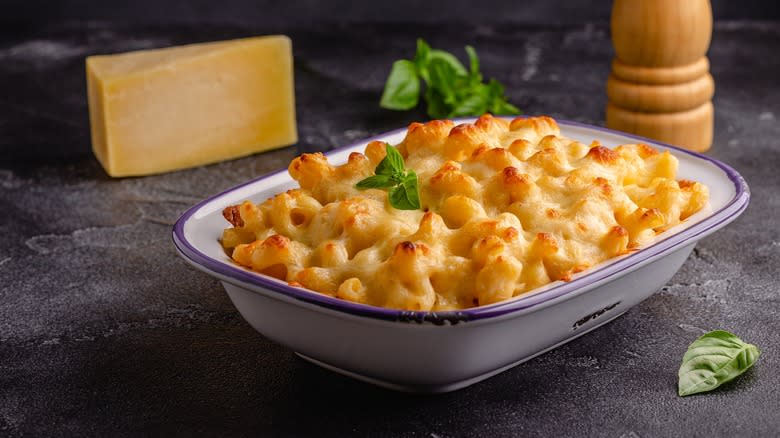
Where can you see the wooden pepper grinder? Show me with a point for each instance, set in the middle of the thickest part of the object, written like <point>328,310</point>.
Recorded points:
<point>660,86</point>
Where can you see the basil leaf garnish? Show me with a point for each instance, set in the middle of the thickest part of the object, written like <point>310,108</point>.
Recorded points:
<point>450,89</point>
<point>402,90</point>
<point>391,174</point>
<point>714,359</point>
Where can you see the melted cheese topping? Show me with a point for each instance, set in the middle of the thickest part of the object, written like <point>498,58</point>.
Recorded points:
<point>507,207</point>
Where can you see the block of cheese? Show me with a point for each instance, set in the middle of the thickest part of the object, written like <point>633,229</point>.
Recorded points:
<point>153,111</point>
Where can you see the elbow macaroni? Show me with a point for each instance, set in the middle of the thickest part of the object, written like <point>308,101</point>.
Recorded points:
<point>507,207</point>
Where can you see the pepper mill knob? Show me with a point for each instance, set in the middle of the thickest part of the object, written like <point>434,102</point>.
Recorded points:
<point>660,86</point>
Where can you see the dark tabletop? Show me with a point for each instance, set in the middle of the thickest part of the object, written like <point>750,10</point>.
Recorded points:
<point>106,331</point>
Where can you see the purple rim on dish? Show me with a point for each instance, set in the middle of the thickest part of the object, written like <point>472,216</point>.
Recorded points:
<point>242,275</point>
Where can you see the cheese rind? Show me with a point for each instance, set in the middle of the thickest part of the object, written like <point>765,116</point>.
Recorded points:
<point>158,110</point>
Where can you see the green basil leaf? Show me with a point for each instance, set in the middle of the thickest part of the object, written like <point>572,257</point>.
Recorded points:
<point>473,60</point>
<point>714,359</point>
<point>475,77</point>
<point>397,198</point>
<point>375,182</point>
<point>423,51</point>
<point>443,78</point>
<point>450,89</point>
<point>475,104</point>
<point>449,59</point>
<point>502,107</point>
<point>392,164</point>
<point>498,104</point>
<point>402,89</point>
<point>403,193</point>
<point>412,189</point>
<point>401,198</point>
<point>495,88</point>
<point>421,59</point>
<point>437,109</point>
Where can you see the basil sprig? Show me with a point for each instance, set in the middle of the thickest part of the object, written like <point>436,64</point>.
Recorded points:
<point>390,173</point>
<point>714,359</point>
<point>450,89</point>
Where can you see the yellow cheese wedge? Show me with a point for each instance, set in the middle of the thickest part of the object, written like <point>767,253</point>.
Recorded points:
<point>158,110</point>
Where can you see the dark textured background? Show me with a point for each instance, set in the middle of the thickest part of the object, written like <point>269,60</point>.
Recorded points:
<point>308,12</point>
<point>104,331</point>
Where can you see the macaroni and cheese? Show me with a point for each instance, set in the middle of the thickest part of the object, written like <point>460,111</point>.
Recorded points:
<point>507,206</point>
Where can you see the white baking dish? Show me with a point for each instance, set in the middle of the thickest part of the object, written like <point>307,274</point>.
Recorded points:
<point>444,351</point>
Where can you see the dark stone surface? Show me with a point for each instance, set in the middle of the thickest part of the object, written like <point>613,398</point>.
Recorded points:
<point>105,331</point>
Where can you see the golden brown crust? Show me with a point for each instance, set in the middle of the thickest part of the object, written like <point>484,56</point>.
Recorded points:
<point>603,155</point>
<point>506,207</point>
<point>646,151</point>
<point>276,241</point>
<point>686,184</point>
<point>232,214</point>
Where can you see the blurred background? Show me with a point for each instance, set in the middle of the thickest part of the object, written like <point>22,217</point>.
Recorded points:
<point>306,12</point>
<point>552,55</point>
